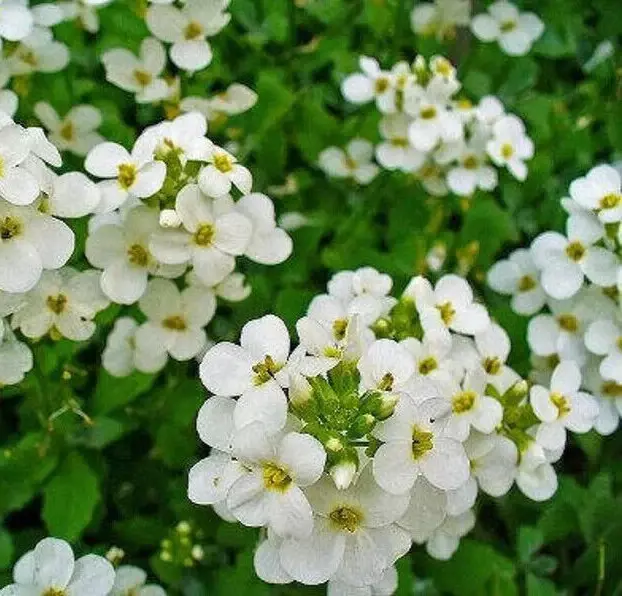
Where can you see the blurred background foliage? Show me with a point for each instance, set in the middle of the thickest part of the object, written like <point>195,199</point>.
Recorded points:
<point>103,461</point>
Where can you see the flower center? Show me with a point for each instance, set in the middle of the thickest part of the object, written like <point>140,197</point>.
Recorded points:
<point>204,234</point>
<point>462,402</point>
<point>386,383</point>
<point>428,113</point>
<point>339,328</point>
<point>30,58</point>
<point>138,255</point>
<point>492,365</point>
<point>10,227</point>
<point>448,312</point>
<point>67,131</point>
<point>470,162</point>
<point>275,478</point>
<point>126,175</point>
<point>443,67</point>
<point>610,201</point>
<point>568,323</point>
<point>427,365</point>
<point>508,26</point>
<point>464,103</point>
<point>346,518</point>
<point>57,303</point>
<point>223,162</point>
<point>142,77</point>
<point>175,323</point>
<point>381,84</point>
<point>54,592</point>
<point>619,343</point>
<point>422,442</point>
<point>611,389</point>
<point>507,150</point>
<point>193,30</point>
<point>526,283</point>
<point>399,142</point>
<point>561,403</point>
<point>575,251</point>
<point>264,371</point>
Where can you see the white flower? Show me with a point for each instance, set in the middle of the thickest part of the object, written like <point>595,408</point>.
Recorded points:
<point>76,131</point>
<point>221,172</point>
<point>17,185</point>
<point>565,261</point>
<point>604,337</point>
<point>518,277</point>
<point>16,21</point>
<point>38,52</point>
<point>514,31</point>
<point>136,174</point>
<point>433,122</point>
<point>30,242</point>
<point>139,75</point>
<point>432,358</point>
<point>51,569</point>
<point>561,332</point>
<point>493,459</point>
<point>385,586</point>
<point>426,510</point>
<point>269,244</point>
<point>535,476</point>
<point>279,468</point>
<point>372,83</point>
<point>15,357</point>
<point>510,146</point>
<point>123,354</point>
<point>71,195</point>
<point>396,152</point>
<point>346,285</point>
<point>413,444</point>
<point>608,394</point>
<point>471,173</point>
<point>441,17</point>
<point>385,366</point>
<point>186,28</point>
<point>122,251</point>
<point>563,407</point>
<point>354,539</point>
<point>448,305</point>
<point>444,541</point>
<point>131,580</point>
<point>211,237</point>
<point>470,407</point>
<point>64,302</point>
<point>251,370</point>
<point>234,100</point>
<point>355,162</point>
<point>601,191</point>
<point>175,319</point>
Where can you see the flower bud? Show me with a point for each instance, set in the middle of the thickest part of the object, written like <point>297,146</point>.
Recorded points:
<point>361,426</point>
<point>301,397</point>
<point>343,474</point>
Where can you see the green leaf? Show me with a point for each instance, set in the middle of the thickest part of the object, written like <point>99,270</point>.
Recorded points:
<point>537,586</point>
<point>70,498</point>
<point>6,549</point>
<point>529,542</point>
<point>113,392</point>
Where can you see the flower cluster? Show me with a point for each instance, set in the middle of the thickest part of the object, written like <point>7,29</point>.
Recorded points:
<point>376,431</point>
<point>446,142</point>
<point>174,215</point>
<point>577,278</point>
<point>50,569</point>
<point>164,210</point>
<point>515,32</point>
